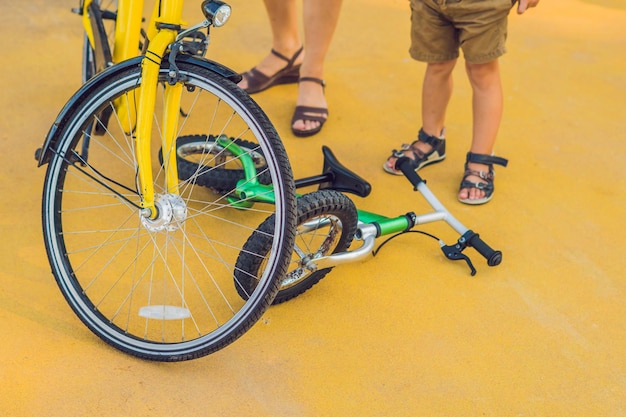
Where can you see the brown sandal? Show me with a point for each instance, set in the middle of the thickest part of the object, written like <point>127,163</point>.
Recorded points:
<point>487,178</point>
<point>315,114</point>
<point>420,159</point>
<point>257,81</point>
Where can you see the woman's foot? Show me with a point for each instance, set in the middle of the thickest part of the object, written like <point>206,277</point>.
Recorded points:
<point>284,70</point>
<point>426,150</point>
<point>311,107</point>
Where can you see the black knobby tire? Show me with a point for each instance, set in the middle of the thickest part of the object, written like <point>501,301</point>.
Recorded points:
<point>202,159</point>
<point>327,222</point>
<point>159,291</point>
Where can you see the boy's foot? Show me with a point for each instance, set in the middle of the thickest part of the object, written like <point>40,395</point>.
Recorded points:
<point>474,193</point>
<point>424,151</point>
<point>477,185</point>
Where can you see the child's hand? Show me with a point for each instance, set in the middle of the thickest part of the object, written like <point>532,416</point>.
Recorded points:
<point>525,4</point>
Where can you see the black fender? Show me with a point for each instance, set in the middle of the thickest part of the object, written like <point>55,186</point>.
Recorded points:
<point>43,154</point>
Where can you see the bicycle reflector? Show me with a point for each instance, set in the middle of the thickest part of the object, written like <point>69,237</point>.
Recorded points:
<point>216,12</point>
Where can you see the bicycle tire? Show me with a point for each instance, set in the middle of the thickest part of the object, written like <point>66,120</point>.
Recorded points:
<point>327,222</point>
<point>213,166</point>
<point>159,291</point>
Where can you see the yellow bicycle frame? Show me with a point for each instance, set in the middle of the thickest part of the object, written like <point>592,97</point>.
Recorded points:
<point>127,37</point>
<point>127,28</point>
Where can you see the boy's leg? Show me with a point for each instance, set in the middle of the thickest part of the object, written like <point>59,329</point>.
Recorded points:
<point>436,93</point>
<point>487,114</point>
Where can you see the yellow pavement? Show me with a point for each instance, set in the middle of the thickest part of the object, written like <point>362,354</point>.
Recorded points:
<point>406,333</point>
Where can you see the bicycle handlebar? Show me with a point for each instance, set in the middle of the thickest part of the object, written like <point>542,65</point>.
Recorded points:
<point>493,257</point>
<point>469,238</point>
<point>407,166</point>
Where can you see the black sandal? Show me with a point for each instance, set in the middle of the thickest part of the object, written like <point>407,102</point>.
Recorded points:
<point>420,159</point>
<point>488,177</point>
<point>315,114</point>
<point>257,81</point>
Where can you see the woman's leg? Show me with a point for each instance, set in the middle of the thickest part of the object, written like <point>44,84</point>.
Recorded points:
<point>320,19</point>
<point>283,18</point>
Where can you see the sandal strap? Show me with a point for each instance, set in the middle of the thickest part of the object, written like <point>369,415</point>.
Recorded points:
<point>290,61</point>
<point>486,159</point>
<point>256,75</point>
<point>313,80</point>
<point>433,141</point>
<point>487,176</point>
<point>487,187</point>
<point>304,113</point>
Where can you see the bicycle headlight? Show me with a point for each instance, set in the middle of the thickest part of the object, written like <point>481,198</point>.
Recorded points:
<point>216,12</point>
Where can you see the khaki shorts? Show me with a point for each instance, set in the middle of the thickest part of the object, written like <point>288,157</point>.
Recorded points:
<point>439,28</point>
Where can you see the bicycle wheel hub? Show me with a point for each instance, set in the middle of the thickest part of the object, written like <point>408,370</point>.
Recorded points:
<point>171,213</point>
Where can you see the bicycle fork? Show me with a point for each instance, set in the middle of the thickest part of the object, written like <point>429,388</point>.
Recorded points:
<point>151,66</point>
<point>165,35</point>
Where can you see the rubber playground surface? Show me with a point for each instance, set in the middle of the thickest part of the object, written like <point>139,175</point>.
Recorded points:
<point>406,333</point>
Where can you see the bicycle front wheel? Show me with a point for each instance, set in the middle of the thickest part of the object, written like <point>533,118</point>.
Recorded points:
<point>160,289</point>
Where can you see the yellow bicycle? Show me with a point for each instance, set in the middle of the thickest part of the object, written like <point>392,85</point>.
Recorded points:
<point>144,256</point>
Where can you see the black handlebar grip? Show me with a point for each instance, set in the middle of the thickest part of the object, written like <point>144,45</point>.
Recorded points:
<point>407,166</point>
<point>494,257</point>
